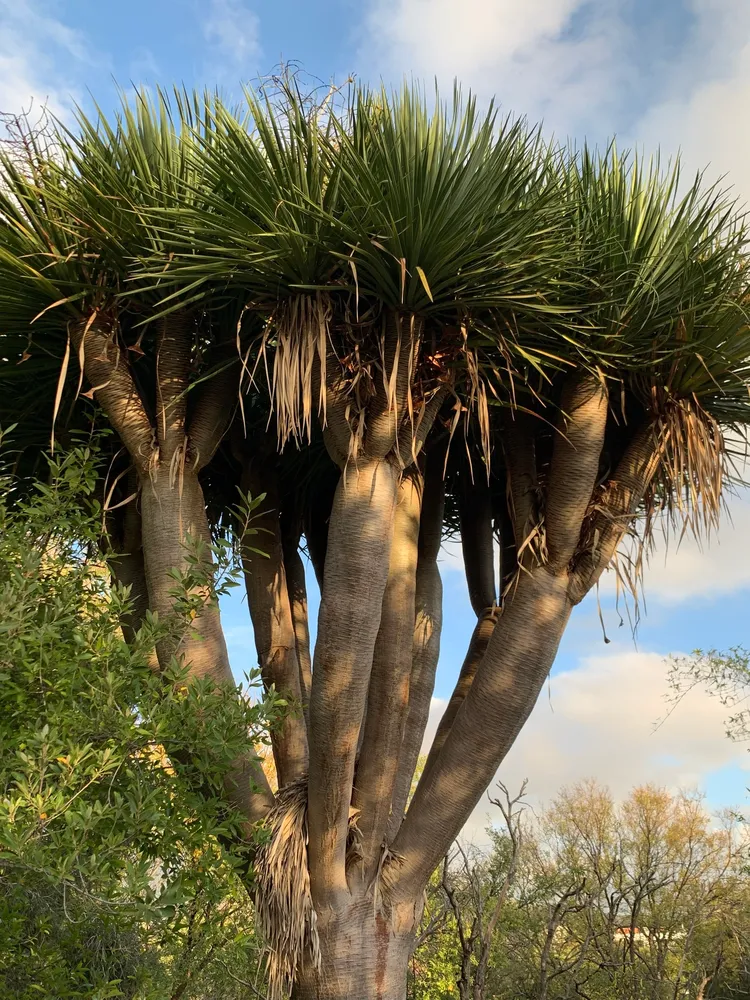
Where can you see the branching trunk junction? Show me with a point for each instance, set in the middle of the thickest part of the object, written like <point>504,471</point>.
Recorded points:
<point>357,717</point>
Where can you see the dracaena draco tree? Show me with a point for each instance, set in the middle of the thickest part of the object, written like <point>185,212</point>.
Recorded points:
<point>398,322</point>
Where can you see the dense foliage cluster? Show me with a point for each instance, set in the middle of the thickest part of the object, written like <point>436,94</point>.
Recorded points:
<point>645,898</point>
<point>113,879</point>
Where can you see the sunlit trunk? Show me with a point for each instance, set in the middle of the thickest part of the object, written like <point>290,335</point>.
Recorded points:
<point>365,955</point>
<point>173,518</point>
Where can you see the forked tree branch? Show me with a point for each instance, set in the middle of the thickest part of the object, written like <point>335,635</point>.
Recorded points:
<point>107,369</point>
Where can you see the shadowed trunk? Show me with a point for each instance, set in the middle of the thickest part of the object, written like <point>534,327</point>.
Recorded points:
<point>271,611</point>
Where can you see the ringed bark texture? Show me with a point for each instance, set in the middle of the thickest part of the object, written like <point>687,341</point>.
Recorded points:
<point>503,693</point>
<point>356,573</point>
<point>388,697</point>
<point>365,955</point>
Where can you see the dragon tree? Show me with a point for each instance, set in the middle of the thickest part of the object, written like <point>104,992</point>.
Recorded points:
<point>396,320</point>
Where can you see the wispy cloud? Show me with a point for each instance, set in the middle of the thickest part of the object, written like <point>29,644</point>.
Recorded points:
<point>703,111</point>
<point>232,31</point>
<point>562,60</point>
<point>602,720</point>
<point>41,59</point>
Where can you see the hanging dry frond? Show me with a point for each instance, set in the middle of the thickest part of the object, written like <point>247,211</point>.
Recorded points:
<point>671,478</point>
<point>300,329</point>
<point>285,913</point>
<point>689,478</point>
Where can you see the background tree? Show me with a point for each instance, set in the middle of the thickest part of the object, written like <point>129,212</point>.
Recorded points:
<point>477,892</point>
<point>645,899</point>
<point>447,326</point>
<point>724,675</point>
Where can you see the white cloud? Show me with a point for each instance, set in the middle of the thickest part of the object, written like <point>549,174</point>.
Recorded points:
<point>717,566</point>
<point>34,48</point>
<point>682,569</point>
<point>232,30</point>
<point>557,59</point>
<point>687,569</point>
<point>704,112</point>
<point>599,720</point>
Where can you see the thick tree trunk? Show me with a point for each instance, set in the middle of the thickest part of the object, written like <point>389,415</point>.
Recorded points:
<point>273,622</point>
<point>171,511</point>
<point>365,955</point>
<point>356,573</point>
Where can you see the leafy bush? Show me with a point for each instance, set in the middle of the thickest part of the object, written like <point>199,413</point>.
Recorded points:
<point>113,879</point>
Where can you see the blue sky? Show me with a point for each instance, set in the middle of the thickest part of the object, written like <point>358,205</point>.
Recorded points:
<point>668,72</point>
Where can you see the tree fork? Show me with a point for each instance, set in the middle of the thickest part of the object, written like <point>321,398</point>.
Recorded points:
<point>171,505</point>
